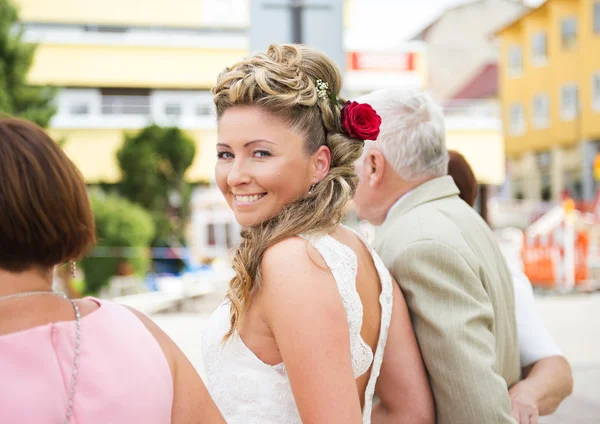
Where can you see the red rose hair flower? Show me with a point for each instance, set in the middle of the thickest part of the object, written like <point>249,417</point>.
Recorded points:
<point>360,121</point>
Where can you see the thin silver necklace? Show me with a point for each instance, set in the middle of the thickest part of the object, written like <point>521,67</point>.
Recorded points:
<point>77,341</point>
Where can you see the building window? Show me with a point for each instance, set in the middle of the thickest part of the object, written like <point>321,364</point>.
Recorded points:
<point>204,110</point>
<point>123,101</point>
<point>573,186</point>
<point>173,110</point>
<point>597,17</point>
<point>517,189</point>
<point>541,111</point>
<point>79,108</point>
<point>596,91</point>
<point>544,164</point>
<point>224,229</point>
<point>546,193</point>
<point>539,48</point>
<point>517,119</point>
<point>568,31</point>
<point>569,102</point>
<point>106,28</point>
<point>515,60</point>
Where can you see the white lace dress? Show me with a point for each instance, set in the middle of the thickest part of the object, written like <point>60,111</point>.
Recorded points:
<point>248,391</point>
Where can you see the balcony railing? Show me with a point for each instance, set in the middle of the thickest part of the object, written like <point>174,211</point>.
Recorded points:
<point>89,108</point>
<point>126,105</point>
<point>472,108</point>
<point>473,115</point>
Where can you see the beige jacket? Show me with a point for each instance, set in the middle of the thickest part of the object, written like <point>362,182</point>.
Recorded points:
<point>460,295</point>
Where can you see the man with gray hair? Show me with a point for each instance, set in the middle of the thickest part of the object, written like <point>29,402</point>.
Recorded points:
<point>444,257</point>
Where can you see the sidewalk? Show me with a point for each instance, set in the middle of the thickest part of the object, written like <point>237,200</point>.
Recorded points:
<point>574,322</point>
<point>583,406</point>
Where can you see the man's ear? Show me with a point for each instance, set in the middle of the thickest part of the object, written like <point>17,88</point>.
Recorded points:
<point>375,167</point>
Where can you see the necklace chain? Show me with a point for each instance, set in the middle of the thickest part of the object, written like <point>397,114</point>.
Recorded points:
<point>77,342</point>
<point>33,293</point>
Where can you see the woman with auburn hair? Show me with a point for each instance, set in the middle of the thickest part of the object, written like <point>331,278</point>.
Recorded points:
<point>463,176</point>
<point>548,378</point>
<point>73,361</point>
<point>302,334</point>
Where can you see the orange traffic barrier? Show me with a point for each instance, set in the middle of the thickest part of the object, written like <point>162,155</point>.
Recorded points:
<point>540,260</point>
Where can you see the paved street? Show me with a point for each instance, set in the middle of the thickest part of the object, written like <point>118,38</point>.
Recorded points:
<point>573,320</point>
<point>186,327</point>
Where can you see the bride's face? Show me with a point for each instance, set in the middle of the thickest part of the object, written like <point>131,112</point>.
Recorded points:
<point>262,163</point>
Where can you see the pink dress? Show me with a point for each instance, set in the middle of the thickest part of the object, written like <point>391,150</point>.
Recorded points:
<point>124,377</point>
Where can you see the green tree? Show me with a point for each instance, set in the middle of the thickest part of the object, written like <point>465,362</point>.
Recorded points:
<point>119,223</point>
<point>17,98</point>
<point>153,164</point>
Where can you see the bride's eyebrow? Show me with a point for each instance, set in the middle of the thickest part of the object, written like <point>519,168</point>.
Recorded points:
<point>260,140</point>
<point>249,143</point>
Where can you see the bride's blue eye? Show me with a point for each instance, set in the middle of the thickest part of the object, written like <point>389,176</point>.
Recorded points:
<point>224,155</point>
<point>262,153</point>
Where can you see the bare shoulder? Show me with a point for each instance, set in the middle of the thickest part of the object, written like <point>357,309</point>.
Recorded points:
<point>352,239</point>
<point>291,266</point>
<point>289,256</point>
<point>279,251</point>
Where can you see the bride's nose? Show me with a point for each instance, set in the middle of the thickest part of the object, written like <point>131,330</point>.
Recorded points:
<point>238,174</point>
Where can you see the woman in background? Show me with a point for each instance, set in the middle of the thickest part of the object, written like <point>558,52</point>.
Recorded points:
<point>73,361</point>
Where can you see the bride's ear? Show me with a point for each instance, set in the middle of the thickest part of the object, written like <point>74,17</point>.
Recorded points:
<point>321,163</point>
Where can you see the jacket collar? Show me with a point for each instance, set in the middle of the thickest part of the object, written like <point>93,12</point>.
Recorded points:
<point>431,190</point>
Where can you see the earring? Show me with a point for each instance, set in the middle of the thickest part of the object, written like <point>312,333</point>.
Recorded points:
<point>312,188</point>
<point>73,268</point>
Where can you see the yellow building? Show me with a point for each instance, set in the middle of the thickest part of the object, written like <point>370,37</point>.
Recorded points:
<point>550,92</point>
<point>123,64</point>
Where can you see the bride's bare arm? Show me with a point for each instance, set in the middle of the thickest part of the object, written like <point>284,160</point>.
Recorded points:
<point>303,308</point>
<point>403,386</point>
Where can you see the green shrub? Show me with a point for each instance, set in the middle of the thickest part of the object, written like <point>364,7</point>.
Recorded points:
<point>119,223</point>
<point>153,164</point>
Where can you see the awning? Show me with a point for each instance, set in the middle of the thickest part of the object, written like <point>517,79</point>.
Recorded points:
<point>130,66</point>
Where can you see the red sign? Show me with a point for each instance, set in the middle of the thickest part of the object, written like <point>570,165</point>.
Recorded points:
<point>378,61</point>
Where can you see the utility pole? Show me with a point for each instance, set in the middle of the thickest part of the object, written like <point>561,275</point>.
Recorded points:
<point>317,23</point>
<point>296,12</point>
<point>297,8</point>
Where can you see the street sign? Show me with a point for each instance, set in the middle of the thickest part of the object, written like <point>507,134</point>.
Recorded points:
<point>382,61</point>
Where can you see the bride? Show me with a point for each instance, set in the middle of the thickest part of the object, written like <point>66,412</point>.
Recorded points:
<point>302,334</point>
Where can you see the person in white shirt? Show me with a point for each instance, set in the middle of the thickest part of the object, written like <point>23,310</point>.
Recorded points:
<point>547,376</point>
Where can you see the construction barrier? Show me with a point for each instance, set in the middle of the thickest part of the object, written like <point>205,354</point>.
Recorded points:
<point>544,259</point>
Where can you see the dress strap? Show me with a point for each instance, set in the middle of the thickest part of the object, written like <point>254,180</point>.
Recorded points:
<point>343,263</point>
<point>386,302</point>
